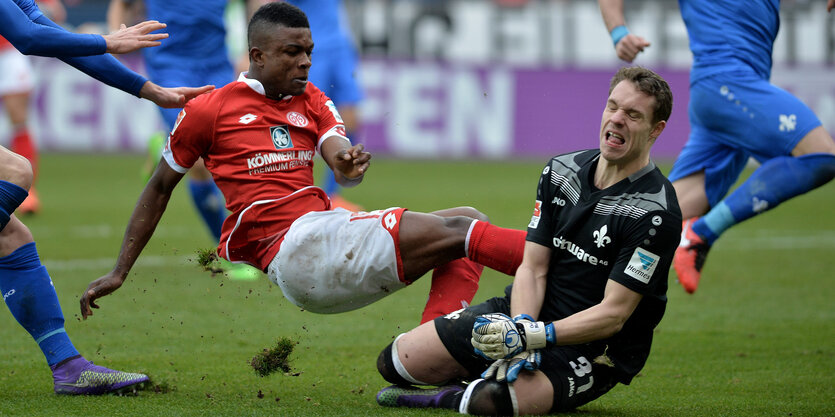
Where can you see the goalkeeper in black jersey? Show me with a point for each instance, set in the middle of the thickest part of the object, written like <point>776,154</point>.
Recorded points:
<point>591,287</point>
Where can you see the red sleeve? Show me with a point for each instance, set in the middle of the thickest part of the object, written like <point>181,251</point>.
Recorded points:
<point>329,121</point>
<point>192,134</point>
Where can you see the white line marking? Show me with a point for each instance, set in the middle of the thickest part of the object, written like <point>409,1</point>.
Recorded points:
<point>89,264</point>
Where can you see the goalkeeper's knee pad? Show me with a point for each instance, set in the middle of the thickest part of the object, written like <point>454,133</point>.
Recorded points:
<point>488,397</point>
<point>392,370</point>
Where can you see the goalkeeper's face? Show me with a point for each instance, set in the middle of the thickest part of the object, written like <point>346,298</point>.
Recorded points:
<point>281,60</point>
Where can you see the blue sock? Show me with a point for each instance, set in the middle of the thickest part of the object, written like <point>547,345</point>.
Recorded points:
<point>209,202</point>
<point>331,186</point>
<point>777,180</point>
<point>29,294</point>
<point>11,195</point>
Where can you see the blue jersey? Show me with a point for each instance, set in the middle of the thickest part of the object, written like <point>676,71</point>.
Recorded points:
<point>729,35</point>
<point>334,56</point>
<point>196,32</point>
<point>23,24</point>
<point>327,22</point>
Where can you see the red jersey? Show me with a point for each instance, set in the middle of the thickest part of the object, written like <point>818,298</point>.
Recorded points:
<point>260,153</point>
<point>4,44</point>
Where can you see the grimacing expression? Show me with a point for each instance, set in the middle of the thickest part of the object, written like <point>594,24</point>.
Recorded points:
<point>285,60</point>
<point>626,129</point>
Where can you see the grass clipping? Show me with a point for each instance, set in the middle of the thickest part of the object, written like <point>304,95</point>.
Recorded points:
<point>274,359</point>
<point>209,261</point>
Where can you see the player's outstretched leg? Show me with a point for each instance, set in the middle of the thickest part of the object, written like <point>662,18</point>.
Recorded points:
<point>455,243</point>
<point>78,376</point>
<point>777,180</point>
<point>30,296</point>
<point>28,292</point>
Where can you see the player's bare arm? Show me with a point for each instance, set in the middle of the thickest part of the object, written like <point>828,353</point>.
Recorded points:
<point>830,4</point>
<point>173,97</point>
<point>529,284</point>
<point>627,45</point>
<point>600,321</point>
<point>138,36</point>
<point>349,163</point>
<point>146,215</point>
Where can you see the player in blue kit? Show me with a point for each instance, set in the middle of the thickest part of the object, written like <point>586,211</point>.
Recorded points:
<point>24,282</point>
<point>194,54</point>
<point>335,71</point>
<point>735,114</point>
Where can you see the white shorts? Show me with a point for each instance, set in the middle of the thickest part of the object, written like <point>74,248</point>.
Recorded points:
<point>336,261</point>
<point>15,72</point>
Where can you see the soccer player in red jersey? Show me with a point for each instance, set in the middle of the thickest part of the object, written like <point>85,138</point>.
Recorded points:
<point>258,136</point>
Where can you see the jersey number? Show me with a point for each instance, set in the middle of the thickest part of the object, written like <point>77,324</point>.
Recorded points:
<point>582,368</point>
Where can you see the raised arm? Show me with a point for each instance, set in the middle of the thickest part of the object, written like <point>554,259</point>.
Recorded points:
<point>29,32</point>
<point>110,71</point>
<point>627,45</point>
<point>146,215</point>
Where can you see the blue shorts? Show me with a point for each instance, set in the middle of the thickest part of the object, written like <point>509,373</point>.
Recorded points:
<point>189,74</point>
<point>734,117</point>
<point>334,71</point>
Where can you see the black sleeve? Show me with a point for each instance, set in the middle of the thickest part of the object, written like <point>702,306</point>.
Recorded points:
<point>643,262</point>
<point>541,226</point>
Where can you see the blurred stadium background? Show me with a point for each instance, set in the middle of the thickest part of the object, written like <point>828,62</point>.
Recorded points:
<point>460,78</point>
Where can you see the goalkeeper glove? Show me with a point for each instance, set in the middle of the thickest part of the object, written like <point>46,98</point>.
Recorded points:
<point>508,369</point>
<point>497,337</point>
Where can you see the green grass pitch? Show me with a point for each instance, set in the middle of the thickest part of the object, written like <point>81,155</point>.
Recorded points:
<point>757,338</point>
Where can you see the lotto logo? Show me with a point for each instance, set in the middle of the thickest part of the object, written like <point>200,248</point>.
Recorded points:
<point>390,220</point>
<point>8,294</point>
<point>247,118</point>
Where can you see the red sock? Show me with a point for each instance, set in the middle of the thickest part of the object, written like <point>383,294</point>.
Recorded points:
<point>23,145</point>
<point>496,247</point>
<point>452,285</point>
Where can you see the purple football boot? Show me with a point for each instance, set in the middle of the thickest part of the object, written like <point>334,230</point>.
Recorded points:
<point>78,376</point>
<point>408,396</point>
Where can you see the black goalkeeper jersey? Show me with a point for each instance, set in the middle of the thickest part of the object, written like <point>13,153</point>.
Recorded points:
<point>627,232</point>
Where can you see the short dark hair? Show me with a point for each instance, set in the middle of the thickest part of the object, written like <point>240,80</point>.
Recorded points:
<point>651,84</point>
<point>275,13</point>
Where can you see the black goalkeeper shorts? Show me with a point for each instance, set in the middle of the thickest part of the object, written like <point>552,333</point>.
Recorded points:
<point>576,379</point>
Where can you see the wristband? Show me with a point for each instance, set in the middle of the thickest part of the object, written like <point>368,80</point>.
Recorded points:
<point>550,334</point>
<point>618,33</point>
<point>523,317</point>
